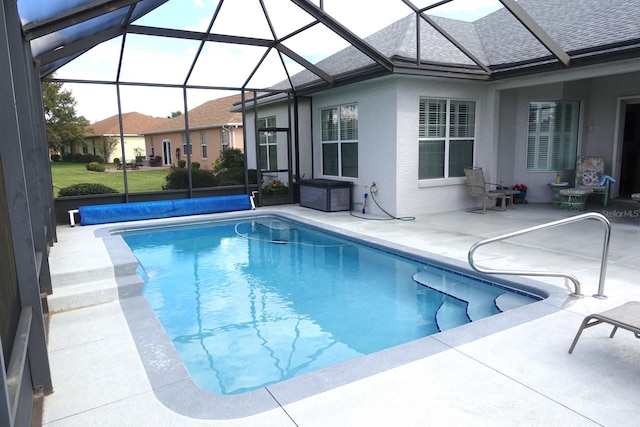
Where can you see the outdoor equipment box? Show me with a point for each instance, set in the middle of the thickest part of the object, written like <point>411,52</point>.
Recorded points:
<point>325,195</point>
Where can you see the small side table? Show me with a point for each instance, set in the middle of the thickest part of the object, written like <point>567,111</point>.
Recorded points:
<point>555,189</point>
<point>574,199</point>
<point>510,194</point>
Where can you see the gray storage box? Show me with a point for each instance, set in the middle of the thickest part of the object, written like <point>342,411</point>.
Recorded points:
<point>325,195</point>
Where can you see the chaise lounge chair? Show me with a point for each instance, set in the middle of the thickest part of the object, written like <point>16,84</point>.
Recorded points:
<point>477,187</point>
<point>626,316</point>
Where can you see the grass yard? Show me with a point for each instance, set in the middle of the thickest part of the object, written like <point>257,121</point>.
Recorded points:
<point>66,174</point>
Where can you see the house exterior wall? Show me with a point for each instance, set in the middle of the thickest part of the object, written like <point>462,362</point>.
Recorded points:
<point>439,195</point>
<point>154,145</point>
<point>388,120</point>
<point>377,135</point>
<point>281,113</point>
<point>599,133</point>
<point>606,118</point>
<point>131,143</point>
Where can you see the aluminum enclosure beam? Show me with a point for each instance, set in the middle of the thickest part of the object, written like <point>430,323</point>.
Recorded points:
<point>536,30</point>
<point>345,33</point>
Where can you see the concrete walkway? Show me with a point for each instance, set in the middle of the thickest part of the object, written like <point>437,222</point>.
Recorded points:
<point>517,375</point>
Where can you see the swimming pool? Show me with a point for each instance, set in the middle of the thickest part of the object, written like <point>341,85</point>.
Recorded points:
<point>216,289</point>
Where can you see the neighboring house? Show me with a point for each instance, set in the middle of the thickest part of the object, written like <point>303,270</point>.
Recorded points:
<point>132,124</point>
<point>508,105</point>
<point>212,129</point>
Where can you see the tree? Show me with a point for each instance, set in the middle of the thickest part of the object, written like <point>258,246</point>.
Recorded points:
<point>106,145</point>
<point>64,126</point>
<point>175,114</point>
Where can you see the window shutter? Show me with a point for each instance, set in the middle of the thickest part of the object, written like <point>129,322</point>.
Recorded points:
<point>348,123</point>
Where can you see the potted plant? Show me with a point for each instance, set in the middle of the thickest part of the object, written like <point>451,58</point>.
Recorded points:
<point>520,197</point>
<point>275,187</point>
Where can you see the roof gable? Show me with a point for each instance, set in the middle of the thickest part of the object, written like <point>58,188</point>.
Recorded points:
<point>210,114</point>
<point>132,124</point>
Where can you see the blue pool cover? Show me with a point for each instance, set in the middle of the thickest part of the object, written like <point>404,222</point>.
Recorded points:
<point>118,212</point>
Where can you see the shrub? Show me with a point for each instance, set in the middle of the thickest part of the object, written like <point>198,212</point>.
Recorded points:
<point>229,167</point>
<point>95,167</point>
<point>81,158</point>
<point>55,157</point>
<point>88,158</point>
<point>178,178</point>
<point>182,163</point>
<point>85,189</point>
<point>195,165</point>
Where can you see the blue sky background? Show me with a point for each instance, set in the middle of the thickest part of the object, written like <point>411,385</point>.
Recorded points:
<point>167,61</point>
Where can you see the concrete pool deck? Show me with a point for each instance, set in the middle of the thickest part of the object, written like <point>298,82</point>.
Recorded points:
<point>520,374</point>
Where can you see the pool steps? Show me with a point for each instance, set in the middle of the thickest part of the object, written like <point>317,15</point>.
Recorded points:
<point>451,313</point>
<point>94,282</point>
<point>467,302</point>
<point>97,292</point>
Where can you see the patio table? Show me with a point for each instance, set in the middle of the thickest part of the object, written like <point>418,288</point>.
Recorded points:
<point>555,188</point>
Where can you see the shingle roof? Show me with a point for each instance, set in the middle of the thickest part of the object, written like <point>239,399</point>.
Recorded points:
<point>576,25</point>
<point>212,113</point>
<point>498,40</point>
<point>132,124</point>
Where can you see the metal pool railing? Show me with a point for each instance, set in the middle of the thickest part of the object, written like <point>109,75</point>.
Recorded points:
<point>576,283</point>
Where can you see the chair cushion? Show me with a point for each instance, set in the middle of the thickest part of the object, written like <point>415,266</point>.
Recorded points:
<point>590,178</point>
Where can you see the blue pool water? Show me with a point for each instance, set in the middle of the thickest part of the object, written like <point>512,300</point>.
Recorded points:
<point>252,302</point>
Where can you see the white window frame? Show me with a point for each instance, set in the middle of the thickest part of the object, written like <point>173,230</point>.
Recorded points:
<point>203,144</point>
<point>552,143</point>
<point>268,141</point>
<point>445,135</point>
<point>343,134</point>
<point>224,138</point>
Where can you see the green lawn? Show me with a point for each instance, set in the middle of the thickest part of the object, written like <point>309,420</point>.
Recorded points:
<point>66,174</point>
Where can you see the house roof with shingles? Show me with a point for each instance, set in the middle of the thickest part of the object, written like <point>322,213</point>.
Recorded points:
<point>579,27</point>
<point>585,29</point>
<point>214,113</point>
<point>132,124</point>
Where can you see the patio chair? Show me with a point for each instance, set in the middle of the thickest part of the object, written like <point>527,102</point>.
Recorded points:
<point>590,175</point>
<point>626,316</point>
<point>478,188</point>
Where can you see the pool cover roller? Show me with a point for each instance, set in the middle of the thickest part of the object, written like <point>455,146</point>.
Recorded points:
<point>102,214</point>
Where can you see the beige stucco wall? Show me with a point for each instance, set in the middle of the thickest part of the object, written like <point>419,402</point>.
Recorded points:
<point>131,143</point>
<point>155,145</point>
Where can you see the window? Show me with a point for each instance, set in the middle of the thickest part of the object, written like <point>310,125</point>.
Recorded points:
<point>224,138</point>
<point>268,143</point>
<point>552,140</point>
<point>340,140</point>
<point>184,144</point>
<point>203,144</point>
<point>446,138</point>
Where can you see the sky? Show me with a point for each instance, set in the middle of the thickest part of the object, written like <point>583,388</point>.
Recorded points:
<point>168,61</point>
